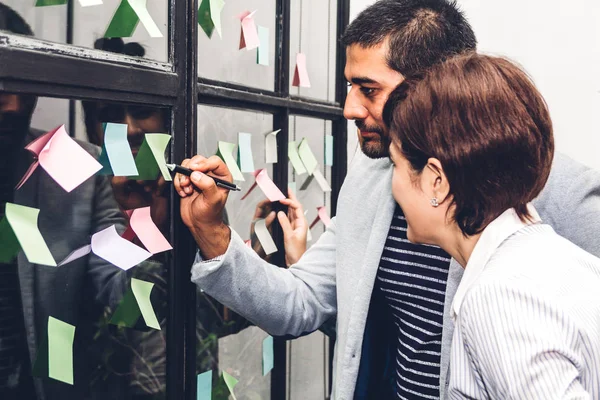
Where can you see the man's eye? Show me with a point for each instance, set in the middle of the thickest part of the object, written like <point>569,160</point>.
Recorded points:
<point>349,84</point>
<point>367,91</point>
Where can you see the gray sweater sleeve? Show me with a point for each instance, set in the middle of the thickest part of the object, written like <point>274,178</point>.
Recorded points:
<point>291,301</point>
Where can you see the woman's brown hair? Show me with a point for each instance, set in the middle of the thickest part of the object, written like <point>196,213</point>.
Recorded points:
<point>487,124</point>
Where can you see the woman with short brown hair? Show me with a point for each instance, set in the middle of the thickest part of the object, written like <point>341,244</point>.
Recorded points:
<point>472,146</point>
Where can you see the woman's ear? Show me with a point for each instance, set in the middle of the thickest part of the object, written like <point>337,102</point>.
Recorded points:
<point>436,181</point>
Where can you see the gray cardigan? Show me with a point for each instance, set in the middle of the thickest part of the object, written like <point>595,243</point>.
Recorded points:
<point>335,277</point>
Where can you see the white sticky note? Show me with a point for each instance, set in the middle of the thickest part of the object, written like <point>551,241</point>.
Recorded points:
<point>307,156</point>
<point>263,54</point>
<point>107,244</point>
<point>216,6</point>
<point>77,254</point>
<point>141,9</point>
<point>263,235</point>
<point>271,147</point>
<point>292,186</point>
<point>245,152</point>
<point>329,150</point>
<point>321,181</point>
<point>226,152</point>
<point>88,3</point>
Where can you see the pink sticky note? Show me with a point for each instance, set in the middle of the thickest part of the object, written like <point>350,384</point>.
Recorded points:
<point>108,245</point>
<point>266,185</point>
<point>248,243</point>
<point>36,148</point>
<point>301,73</point>
<point>322,216</point>
<point>148,233</point>
<point>249,35</point>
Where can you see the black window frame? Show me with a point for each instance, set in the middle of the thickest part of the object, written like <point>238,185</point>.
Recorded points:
<point>76,73</point>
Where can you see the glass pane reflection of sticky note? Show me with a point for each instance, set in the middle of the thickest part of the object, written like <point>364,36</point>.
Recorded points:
<point>267,354</point>
<point>263,235</point>
<point>148,233</point>
<point>118,150</point>
<point>245,159</point>
<point>60,350</point>
<point>204,18</point>
<point>24,223</point>
<point>141,290</point>
<point>226,153</point>
<point>271,147</point>
<point>107,244</point>
<point>308,158</point>
<point>128,312</point>
<point>204,386</point>
<point>301,78</point>
<point>230,381</point>
<point>295,159</point>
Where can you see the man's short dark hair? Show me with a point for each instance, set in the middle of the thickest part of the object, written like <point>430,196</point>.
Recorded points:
<point>487,124</point>
<point>11,21</point>
<point>421,33</point>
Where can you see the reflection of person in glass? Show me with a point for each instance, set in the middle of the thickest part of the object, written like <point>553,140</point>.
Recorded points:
<point>30,293</point>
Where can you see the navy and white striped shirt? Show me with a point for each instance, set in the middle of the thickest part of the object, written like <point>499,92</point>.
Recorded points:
<point>412,281</point>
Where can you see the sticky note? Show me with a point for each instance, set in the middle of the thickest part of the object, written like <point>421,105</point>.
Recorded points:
<point>271,147</point>
<point>148,233</point>
<point>118,150</point>
<point>60,350</point>
<point>246,162</point>
<point>135,303</point>
<point>209,16</point>
<point>308,158</point>
<point>45,3</point>
<point>295,158</point>
<point>23,222</point>
<point>329,150</point>
<point>89,3</point>
<point>301,73</point>
<point>267,186</point>
<point>267,355</point>
<point>150,159</point>
<point>107,244</point>
<point>76,254</point>
<point>10,244</point>
<point>264,237</point>
<point>249,35</point>
<point>204,386</point>
<point>225,151</point>
<point>264,49</point>
<point>321,181</point>
<point>62,158</point>
<point>127,17</point>
<point>321,216</point>
<point>293,187</point>
<point>230,381</point>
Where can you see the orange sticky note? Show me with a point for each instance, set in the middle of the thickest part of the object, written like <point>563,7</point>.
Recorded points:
<point>249,36</point>
<point>301,73</point>
<point>266,185</point>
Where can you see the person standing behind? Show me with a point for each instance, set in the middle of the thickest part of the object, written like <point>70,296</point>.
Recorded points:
<point>472,146</point>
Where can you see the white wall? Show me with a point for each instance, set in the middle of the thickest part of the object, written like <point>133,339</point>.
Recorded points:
<point>558,43</point>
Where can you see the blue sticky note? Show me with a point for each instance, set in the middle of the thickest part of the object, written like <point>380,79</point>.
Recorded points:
<point>204,386</point>
<point>118,150</point>
<point>245,159</point>
<point>267,355</point>
<point>264,53</point>
<point>328,150</point>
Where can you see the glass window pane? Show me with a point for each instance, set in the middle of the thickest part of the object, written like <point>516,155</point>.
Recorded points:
<point>221,58</point>
<point>90,24</point>
<point>109,361</point>
<point>225,341</point>
<point>313,33</point>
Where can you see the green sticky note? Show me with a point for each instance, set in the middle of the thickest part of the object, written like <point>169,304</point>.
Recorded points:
<point>204,386</point>
<point>263,51</point>
<point>10,244</point>
<point>128,312</point>
<point>40,365</point>
<point>225,151</point>
<point>267,354</point>
<point>295,158</point>
<point>44,3</point>
<point>150,159</point>
<point>230,381</point>
<point>328,150</point>
<point>141,291</point>
<point>245,159</point>
<point>23,221</point>
<point>123,23</point>
<point>308,158</point>
<point>205,19</point>
<point>60,350</point>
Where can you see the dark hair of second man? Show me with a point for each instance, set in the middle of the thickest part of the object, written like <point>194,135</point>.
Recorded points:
<point>421,33</point>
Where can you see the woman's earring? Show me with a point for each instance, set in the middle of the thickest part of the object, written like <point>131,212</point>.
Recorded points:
<point>434,202</point>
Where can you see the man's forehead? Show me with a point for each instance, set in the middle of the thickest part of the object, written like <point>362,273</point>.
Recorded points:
<point>368,65</point>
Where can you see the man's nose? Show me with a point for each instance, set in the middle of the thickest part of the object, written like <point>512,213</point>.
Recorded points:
<point>353,108</point>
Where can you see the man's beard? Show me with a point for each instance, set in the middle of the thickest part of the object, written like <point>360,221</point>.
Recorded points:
<point>373,147</point>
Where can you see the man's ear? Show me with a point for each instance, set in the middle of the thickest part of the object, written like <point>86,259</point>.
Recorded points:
<point>436,180</point>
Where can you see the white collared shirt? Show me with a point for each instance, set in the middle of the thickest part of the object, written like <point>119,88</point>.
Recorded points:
<point>527,316</point>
